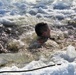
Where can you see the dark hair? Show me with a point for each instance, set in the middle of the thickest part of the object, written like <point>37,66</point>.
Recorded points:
<point>40,28</point>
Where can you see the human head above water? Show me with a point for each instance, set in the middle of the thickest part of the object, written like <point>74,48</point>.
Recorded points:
<point>42,30</point>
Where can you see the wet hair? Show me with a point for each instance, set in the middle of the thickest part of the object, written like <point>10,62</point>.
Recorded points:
<point>40,28</point>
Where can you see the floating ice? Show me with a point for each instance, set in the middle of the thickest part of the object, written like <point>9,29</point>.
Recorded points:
<point>3,11</point>
<point>23,7</point>
<point>6,22</point>
<point>1,4</point>
<point>65,68</point>
<point>31,1</point>
<point>33,11</point>
<point>41,10</point>
<point>60,5</point>
<point>71,51</point>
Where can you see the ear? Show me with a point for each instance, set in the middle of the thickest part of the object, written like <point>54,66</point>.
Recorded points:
<point>44,33</point>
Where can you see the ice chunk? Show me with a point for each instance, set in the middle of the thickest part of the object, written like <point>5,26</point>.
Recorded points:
<point>3,11</point>
<point>60,5</point>
<point>70,69</point>
<point>33,11</point>
<point>41,10</point>
<point>1,4</point>
<point>31,1</point>
<point>6,22</point>
<point>71,51</point>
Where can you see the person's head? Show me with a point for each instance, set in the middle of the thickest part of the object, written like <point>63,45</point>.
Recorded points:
<point>42,30</point>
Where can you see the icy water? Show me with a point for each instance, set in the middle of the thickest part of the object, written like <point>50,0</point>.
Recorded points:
<point>30,12</point>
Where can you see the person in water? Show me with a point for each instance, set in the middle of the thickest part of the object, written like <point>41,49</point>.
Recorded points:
<point>43,32</point>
